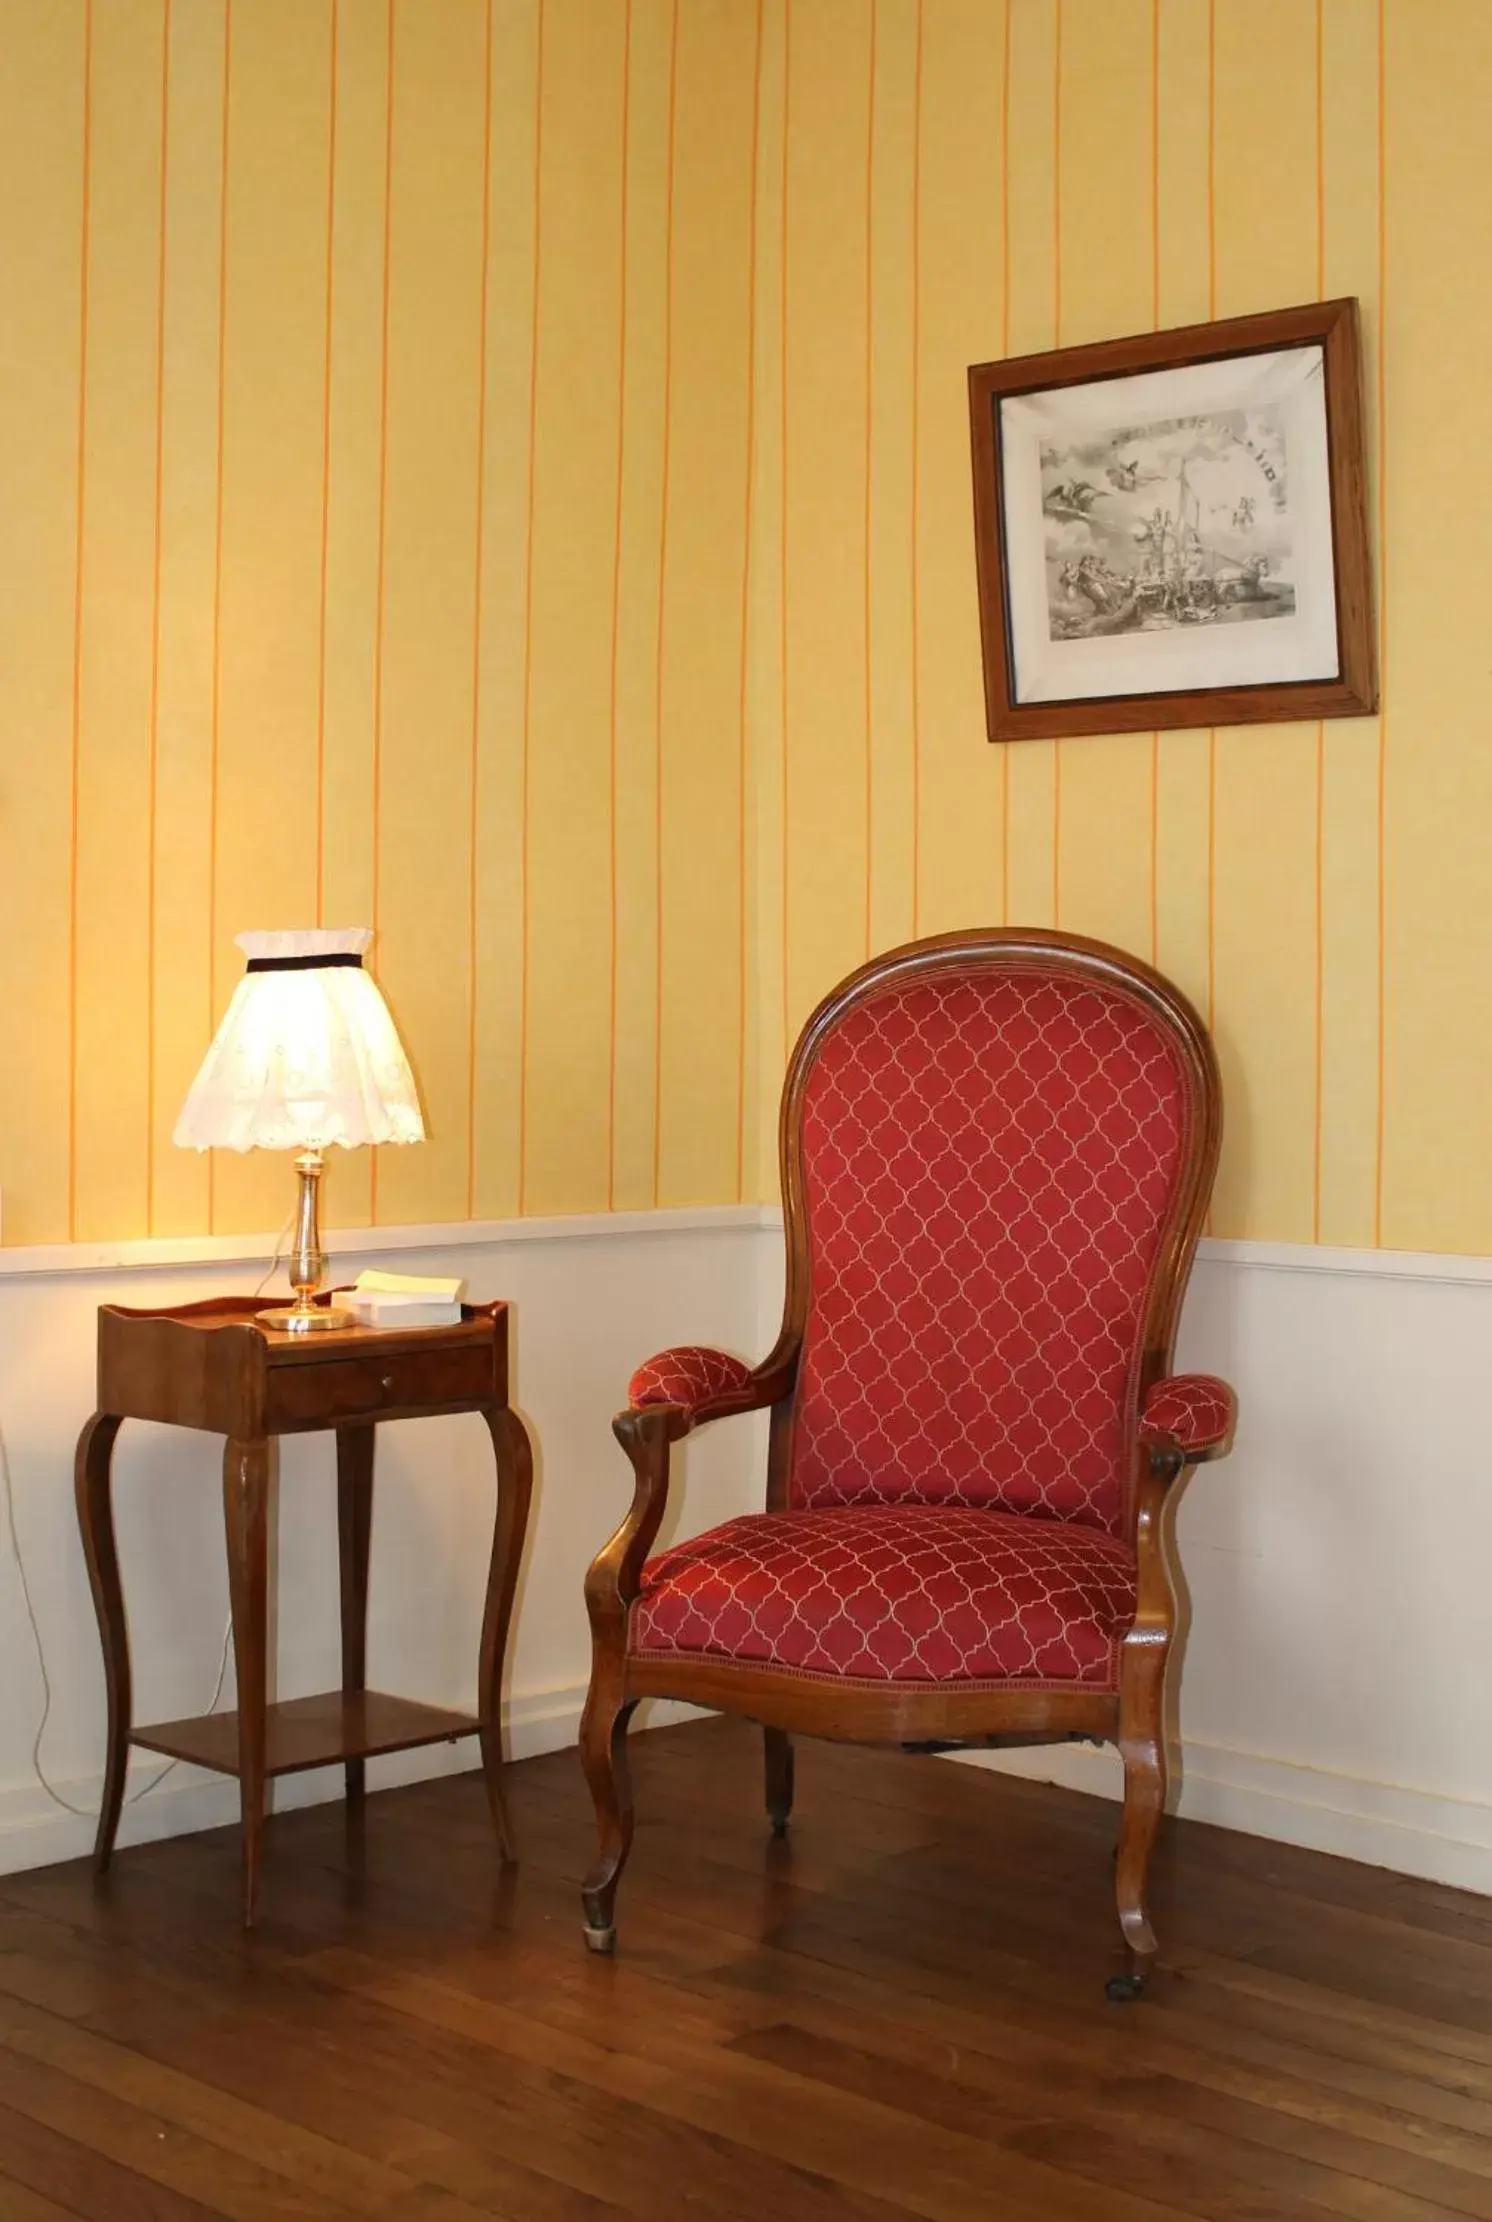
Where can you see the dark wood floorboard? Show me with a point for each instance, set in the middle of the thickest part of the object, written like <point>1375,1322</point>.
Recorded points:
<point>898,2012</point>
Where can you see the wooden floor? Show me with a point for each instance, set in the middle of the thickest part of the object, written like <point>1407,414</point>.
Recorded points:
<point>899,2012</point>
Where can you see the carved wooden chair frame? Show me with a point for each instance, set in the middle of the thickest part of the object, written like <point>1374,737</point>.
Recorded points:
<point>1170,1439</point>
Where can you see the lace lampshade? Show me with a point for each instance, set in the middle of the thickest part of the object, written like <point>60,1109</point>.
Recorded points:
<point>307,1056</point>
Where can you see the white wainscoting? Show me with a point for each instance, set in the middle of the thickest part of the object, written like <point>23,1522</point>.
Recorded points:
<point>1338,1684</point>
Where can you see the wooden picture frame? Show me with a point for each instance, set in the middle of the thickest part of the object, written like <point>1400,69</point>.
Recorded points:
<point>1126,600</point>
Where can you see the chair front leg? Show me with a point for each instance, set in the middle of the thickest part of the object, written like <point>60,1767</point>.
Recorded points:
<point>603,1754</point>
<point>1142,1746</point>
<point>610,1587</point>
<point>1144,1662</point>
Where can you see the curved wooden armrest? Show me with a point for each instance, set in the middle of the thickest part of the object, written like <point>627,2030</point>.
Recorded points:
<point>1191,1413</point>
<point>1186,1420</point>
<point>695,1384</point>
<point>671,1395</point>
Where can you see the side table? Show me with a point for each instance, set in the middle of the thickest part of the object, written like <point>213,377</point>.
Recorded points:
<point>212,1366</point>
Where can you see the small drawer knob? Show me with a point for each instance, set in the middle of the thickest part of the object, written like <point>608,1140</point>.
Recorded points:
<point>386,1383</point>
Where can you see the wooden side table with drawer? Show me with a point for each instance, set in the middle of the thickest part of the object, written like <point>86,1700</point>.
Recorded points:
<point>214,1366</point>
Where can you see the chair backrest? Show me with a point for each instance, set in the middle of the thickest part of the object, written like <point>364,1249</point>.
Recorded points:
<point>997,1149</point>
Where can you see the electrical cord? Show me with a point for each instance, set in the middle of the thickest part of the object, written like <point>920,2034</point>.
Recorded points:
<point>279,1251</point>
<point>8,1502</point>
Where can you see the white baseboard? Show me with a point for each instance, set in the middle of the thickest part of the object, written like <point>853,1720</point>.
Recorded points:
<point>1416,1832</point>
<point>36,1832</point>
<point>1446,1840</point>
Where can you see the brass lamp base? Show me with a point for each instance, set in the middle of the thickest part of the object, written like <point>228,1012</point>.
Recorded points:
<point>307,1262</point>
<point>295,1321</point>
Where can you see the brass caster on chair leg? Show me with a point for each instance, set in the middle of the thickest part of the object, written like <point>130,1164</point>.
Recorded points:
<point>1120,1989</point>
<point>600,1940</point>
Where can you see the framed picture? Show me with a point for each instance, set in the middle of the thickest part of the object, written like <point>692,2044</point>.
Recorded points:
<point>1172,529</point>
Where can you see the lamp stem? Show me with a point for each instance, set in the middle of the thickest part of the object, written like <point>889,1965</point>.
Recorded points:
<point>307,1263</point>
<point>307,1258</point>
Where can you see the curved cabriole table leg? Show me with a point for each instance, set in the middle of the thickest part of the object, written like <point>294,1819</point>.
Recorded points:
<point>355,1454</point>
<point>95,1500</point>
<point>247,1468</point>
<point>513,1455</point>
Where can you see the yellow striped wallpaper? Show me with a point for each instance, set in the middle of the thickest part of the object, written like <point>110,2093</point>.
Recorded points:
<point>497,470</point>
<point>961,179</point>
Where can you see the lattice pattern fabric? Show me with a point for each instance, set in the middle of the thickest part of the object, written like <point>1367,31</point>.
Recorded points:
<point>690,1375</point>
<point>1195,1409</point>
<point>896,1593</point>
<point>990,1159</point>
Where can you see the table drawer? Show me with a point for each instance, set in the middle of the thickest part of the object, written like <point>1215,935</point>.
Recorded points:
<point>319,1394</point>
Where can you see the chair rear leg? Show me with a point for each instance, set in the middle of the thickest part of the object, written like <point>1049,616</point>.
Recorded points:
<point>603,1754</point>
<point>779,1755</point>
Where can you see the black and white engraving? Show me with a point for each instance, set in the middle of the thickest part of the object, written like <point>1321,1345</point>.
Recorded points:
<point>1181,522</point>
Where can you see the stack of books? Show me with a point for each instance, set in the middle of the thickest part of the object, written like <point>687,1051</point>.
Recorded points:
<point>403,1300</point>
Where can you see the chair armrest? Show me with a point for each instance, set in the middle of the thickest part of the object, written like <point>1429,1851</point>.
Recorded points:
<point>668,1396</point>
<point>1194,1413</point>
<point>695,1384</point>
<point>690,1375</point>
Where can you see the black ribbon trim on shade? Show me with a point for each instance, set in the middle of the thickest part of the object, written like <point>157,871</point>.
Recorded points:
<point>303,964</point>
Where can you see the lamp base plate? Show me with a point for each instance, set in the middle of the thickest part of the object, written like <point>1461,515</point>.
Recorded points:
<point>292,1322</point>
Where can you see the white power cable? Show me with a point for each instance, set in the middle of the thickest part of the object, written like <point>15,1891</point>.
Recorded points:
<point>8,1499</point>
<point>279,1250</point>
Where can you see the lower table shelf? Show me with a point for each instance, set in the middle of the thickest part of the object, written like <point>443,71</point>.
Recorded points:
<point>320,1731</point>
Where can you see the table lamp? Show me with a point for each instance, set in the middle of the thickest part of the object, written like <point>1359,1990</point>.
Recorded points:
<point>307,1056</point>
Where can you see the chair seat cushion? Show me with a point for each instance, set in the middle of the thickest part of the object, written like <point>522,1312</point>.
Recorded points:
<point>896,1593</point>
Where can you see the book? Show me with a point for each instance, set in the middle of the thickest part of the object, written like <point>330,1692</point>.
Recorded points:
<point>404,1300</point>
<point>401,1311</point>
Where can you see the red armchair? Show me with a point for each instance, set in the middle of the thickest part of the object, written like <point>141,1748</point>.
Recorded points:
<point>997,1149</point>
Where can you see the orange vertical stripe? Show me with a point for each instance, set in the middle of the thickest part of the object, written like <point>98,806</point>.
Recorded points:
<point>1212,312</point>
<point>1320,916</point>
<point>74,774</point>
<point>787,74</point>
<point>668,273</point>
<point>217,584</point>
<point>528,610</point>
<point>1212,158</point>
<point>157,538</point>
<point>1005,187</point>
<point>1155,326</point>
<point>1382,380</point>
<point>383,505</point>
<point>1057,342</point>
<point>478,576</point>
<point>1155,164</point>
<point>1321,148</point>
<point>870,172</point>
<point>916,488</point>
<point>614,863</point>
<point>1057,173</point>
<point>1005,350</point>
<point>326,473</point>
<point>743,759</point>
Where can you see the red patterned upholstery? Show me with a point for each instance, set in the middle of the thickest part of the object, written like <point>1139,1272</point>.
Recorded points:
<point>990,1156</point>
<point>1195,1410</point>
<point>691,1375</point>
<point>904,1593</point>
